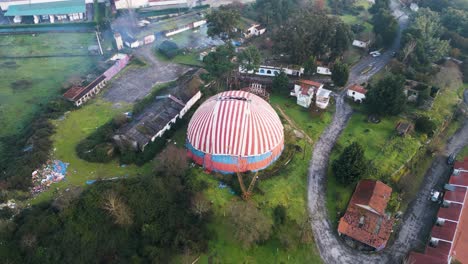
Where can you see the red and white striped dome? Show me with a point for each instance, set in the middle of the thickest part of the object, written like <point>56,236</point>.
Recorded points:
<point>235,123</point>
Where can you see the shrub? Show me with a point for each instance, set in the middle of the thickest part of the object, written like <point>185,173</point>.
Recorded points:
<point>426,125</point>
<point>169,49</point>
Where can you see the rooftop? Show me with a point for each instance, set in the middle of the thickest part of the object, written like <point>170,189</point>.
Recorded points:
<point>365,218</point>
<point>51,8</point>
<point>358,88</point>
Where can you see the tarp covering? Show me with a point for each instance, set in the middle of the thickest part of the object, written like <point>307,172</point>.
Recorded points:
<point>51,8</point>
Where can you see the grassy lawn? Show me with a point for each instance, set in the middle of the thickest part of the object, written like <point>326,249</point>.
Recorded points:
<point>76,126</point>
<point>311,122</point>
<point>46,44</point>
<point>463,153</point>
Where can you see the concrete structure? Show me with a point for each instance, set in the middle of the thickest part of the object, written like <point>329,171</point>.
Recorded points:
<point>449,236</point>
<point>304,91</point>
<point>118,41</point>
<point>322,98</point>
<point>357,92</point>
<point>265,70</point>
<point>235,131</point>
<point>157,118</point>
<point>365,219</point>
<point>51,11</point>
<point>254,30</point>
<point>323,70</point>
<point>80,95</point>
<point>360,44</point>
<point>125,4</point>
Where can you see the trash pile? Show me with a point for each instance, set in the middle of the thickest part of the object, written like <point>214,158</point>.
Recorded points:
<point>52,171</point>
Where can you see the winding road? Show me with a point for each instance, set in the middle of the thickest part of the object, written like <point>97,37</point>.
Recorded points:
<point>331,248</point>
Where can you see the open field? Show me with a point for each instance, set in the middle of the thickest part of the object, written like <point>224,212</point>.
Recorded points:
<point>47,44</point>
<point>76,126</point>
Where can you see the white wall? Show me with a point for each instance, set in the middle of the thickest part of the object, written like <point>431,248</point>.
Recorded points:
<point>356,96</point>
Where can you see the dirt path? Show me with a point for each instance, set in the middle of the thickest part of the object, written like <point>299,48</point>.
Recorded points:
<point>136,83</point>
<point>293,125</point>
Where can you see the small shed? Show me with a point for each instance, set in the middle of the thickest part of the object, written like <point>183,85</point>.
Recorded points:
<point>323,70</point>
<point>403,128</point>
<point>360,44</point>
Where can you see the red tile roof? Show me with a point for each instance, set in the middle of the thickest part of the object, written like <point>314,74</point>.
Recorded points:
<point>365,220</point>
<point>309,82</point>
<point>442,250</point>
<point>358,88</point>
<point>451,213</point>
<point>461,164</point>
<point>374,194</point>
<point>456,196</point>
<point>446,231</point>
<point>418,258</point>
<point>72,93</point>
<point>460,179</point>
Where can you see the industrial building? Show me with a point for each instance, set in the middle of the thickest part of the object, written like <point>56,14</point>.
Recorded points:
<point>49,11</point>
<point>233,132</point>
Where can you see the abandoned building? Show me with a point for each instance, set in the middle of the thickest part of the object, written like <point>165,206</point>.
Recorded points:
<point>254,30</point>
<point>79,95</point>
<point>403,128</point>
<point>304,91</point>
<point>161,114</point>
<point>365,219</point>
<point>357,93</point>
<point>448,241</point>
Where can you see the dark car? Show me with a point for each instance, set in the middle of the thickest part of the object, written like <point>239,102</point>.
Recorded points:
<point>451,159</point>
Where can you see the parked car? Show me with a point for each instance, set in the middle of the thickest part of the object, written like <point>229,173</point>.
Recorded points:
<point>436,196</point>
<point>451,159</point>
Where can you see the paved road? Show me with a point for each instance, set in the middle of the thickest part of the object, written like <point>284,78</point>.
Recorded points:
<point>331,248</point>
<point>136,83</point>
<point>378,63</point>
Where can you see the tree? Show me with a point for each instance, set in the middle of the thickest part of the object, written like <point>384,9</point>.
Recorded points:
<point>223,22</point>
<point>319,4</point>
<point>387,96</point>
<point>310,66</point>
<point>386,26</point>
<point>279,215</point>
<point>249,224</point>
<point>340,74</point>
<point>378,5</point>
<point>117,208</point>
<point>249,59</point>
<point>351,165</point>
<point>424,124</point>
<point>219,63</point>
<point>281,83</point>
<point>172,161</point>
<point>200,205</point>
<point>169,49</point>
<point>312,34</point>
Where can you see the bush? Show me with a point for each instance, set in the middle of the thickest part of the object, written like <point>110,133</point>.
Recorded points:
<point>425,125</point>
<point>279,215</point>
<point>169,49</point>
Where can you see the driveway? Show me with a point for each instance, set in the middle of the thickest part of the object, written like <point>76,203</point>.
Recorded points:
<point>420,213</point>
<point>135,83</point>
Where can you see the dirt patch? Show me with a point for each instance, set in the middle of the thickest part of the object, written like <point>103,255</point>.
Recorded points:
<point>21,85</point>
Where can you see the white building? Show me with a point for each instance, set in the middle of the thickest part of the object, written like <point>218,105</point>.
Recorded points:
<point>323,98</point>
<point>414,7</point>
<point>272,71</point>
<point>357,92</point>
<point>304,91</point>
<point>360,44</point>
<point>254,30</point>
<point>42,10</point>
<point>125,4</point>
<point>118,41</point>
<point>323,71</point>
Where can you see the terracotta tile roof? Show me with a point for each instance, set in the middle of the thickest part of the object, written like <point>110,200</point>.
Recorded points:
<point>418,258</point>
<point>374,194</point>
<point>365,220</point>
<point>456,196</point>
<point>446,231</point>
<point>72,93</point>
<point>358,88</point>
<point>441,251</point>
<point>451,213</point>
<point>460,179</point>
<point>460,246</point>
<point>461,164</point>
<point>309,82</point>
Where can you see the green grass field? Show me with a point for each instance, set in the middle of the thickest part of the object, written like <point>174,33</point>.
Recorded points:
<point>46,44</point>
<point>76,126</point>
